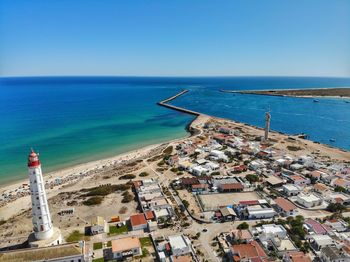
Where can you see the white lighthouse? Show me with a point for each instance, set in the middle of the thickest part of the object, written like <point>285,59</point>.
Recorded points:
<point>44,232</point>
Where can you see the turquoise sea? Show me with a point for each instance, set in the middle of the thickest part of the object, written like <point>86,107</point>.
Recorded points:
<point>71,120</point>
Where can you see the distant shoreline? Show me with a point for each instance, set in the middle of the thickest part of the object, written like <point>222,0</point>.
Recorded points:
<point>302,93</point>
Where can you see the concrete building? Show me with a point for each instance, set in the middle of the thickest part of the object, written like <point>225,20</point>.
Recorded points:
<point>72,252</point>
<point>285,207</point>
<point>123,248</point>
<point>180,245</point>
<point>45,234</point>
<point>333,254</point>
<point>260,212</point>
<point>291,190</point>
<point>99,225</point>
<point>309,200</point>
<point>247,252</point>
<point>318,242</point>
<point>138,222</point>
<point>270,231</point>
<point>299,180</point>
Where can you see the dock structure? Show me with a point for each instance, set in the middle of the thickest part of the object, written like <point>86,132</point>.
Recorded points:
<point>180,109</point>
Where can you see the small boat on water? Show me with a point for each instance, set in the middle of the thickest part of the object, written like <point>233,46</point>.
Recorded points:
<point>332,140</point>
<point>316,101</point>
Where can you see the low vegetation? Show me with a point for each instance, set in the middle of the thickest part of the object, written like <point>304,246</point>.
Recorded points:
<point>167,151</point>
<point>252,178</point>
<point>115,230</point>
<point>127,176</point>
<point>294,148</point>
<point>76,236</point>
<point>105,190</point>
<point>243,225</point>
<point>123,210</point>
<point>95,200</point>
<point>143,174</point>
<point>336,208</point>
<point>127,197</point>
<point>145,241</point>
<point>97,245</point>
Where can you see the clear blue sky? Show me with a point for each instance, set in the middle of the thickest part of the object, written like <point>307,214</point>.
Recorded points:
<point>204,38</point>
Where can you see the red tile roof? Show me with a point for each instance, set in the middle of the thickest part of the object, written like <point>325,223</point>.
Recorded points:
<point>249,202</point>
<point>317,227</point>
<point>249,251</point>
<point>138,219</point>
<point>230,186</point>
<point>199,186</point>
<point>149,215</point>
<point>285,204</point>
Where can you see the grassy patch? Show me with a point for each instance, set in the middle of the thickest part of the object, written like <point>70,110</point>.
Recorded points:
<point>101,259</point>
<point>114,230</point>
<point>97,245</point>
<point>145,252</point>
<point>95,200</point>
<point>294,148</point>
<point>145,241</point>
<point>105,190</point>
<point>109,243</point>
<point>76,236</point>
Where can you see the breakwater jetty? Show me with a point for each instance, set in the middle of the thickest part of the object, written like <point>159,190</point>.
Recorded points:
<point>180,109</point>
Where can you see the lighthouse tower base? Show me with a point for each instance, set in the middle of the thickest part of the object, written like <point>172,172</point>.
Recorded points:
<point>55,239</point>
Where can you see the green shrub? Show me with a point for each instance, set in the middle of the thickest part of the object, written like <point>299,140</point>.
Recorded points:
<point>127,197</point>
<point>143,174</point>
<point>252,178</point>
<point>95,200</point>
<point>185,202</point>
<point>127,176</point>
<point>168,150</point>
<point>243,225</point>
<point>97,245</point>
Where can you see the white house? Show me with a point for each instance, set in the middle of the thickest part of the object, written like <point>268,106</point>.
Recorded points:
<point>199,170</point>
<point>260,212</point>
<point>270,231</point>
<point>291,190</point>
<point>285,207</point>
<point>219,155</point>
<point>99,225</point>
<point>180,245</point>
<point>309,200</point>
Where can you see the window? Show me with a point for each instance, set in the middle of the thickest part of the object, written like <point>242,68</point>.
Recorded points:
<point>38,207</point>
<point>39,217</point>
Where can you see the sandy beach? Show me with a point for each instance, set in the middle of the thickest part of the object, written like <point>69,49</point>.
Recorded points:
<point>19,191</point>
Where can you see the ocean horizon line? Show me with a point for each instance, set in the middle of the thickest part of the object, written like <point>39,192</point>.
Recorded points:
<point>171,76</point>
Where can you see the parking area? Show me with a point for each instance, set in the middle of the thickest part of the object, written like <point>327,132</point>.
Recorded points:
<point>213,201</point>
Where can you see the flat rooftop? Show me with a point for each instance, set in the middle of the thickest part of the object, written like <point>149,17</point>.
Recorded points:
<point>44,253</point>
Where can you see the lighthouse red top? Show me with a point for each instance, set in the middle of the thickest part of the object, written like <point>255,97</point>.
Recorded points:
<point>33,159</point>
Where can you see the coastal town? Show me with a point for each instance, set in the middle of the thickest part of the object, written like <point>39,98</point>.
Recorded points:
<point>228,192</point>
